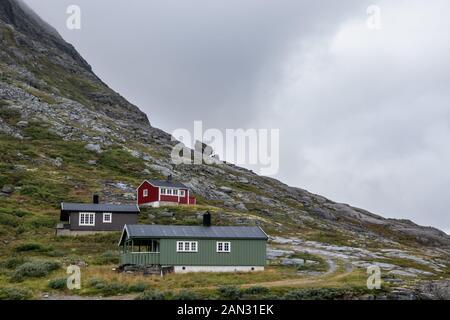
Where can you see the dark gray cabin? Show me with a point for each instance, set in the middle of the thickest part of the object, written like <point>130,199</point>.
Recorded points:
<point>82,218</point>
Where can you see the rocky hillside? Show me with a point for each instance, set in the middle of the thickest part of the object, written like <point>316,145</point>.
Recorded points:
<point>65,134</point>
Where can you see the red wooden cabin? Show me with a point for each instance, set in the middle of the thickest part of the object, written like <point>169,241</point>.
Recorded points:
<point>163,192</point>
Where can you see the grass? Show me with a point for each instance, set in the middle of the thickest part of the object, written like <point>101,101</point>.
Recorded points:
<point>10,116</point>
<point>8,35</point>
<point>320,266</point>
<point>4,103</point>
<point>41,95</point>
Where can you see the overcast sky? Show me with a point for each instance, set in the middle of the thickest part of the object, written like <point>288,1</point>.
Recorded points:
<point>364,115</point>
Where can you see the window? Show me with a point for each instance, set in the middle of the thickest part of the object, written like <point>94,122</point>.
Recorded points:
<point>223,246</point>
<point>163,191</point>
<point>145,193</point>
<point>87,219</point>
<point>182,193</point>
<point>187,246</point>
<point>107,217</point>
<point>169,192</point>
<point>175,192</point>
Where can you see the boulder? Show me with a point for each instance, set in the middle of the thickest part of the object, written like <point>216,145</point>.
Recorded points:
<point>293,262</point>
<point>58,162</point>
<point>226,189</point>
<point>241,207</point>
<point>8,189</point>
<point>22,124</point>
<point>93,147</point>
<point>277,253</point>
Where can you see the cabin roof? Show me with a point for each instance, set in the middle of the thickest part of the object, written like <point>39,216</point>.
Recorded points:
<point>167,184</point>
<point>67,207</point>
<point>198,232</point>
<point>100,207</point>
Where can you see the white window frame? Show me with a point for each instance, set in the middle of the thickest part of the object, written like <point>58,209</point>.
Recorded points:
<point>182,193</point>
<point>187,246</point>
<point>175,192</point>
<point>83,216</point>
<point>220,246</point>
<point>107,214</point>
<point>145,193</point>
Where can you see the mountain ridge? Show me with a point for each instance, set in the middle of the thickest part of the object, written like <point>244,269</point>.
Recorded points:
<point>115,107</point>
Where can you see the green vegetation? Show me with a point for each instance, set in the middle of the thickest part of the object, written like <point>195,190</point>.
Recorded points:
<point>34,270</point>
<point>58,284</point>
<point>10,116</point>
<point>121,162</point>
<point>8,35</point>
<point>32,246</point>
<point>99,286</point>
<point>4,103</point>
<point>229,292</point>
<point>151,295</point>
<point>107,257</point>
<point>324,293</point>
<point>186,295</point>
<point>41,95</point>
<point>13,293</point>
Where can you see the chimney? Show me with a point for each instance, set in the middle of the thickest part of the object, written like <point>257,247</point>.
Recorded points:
<point>207,219</point>
<point>169,178</point>
<point>95,199</point>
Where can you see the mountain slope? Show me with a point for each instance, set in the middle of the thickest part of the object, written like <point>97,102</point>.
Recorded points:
<point>64,134</point>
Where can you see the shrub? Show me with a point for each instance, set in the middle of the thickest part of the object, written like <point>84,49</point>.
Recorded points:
<point>185,295</point>
<point>138,287</point>
<point>13,262</point>
<point>38,222</point>
<point>108,257</point>
<point>256,290</point>
<point>32,247</point>
<point>8,220</point>
<point>11,116</point>
<point>229,292</point>
<point>14,294</point>
<point>96,283</point>
<point>34,270</point>
<point>4,103</point>
<point>150,295</point>
<point>321,294</point>
<point>108,288</point>
<point>58,284</point>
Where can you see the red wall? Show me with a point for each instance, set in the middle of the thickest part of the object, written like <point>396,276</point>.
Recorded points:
<point>153,193</point>
<point>169,198</point>
<point>184,200</point>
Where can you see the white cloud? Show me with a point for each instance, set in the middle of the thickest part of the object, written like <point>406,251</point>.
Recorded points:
<point>365,114</point>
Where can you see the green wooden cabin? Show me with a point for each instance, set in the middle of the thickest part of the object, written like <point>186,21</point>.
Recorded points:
<point>194,248</point>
